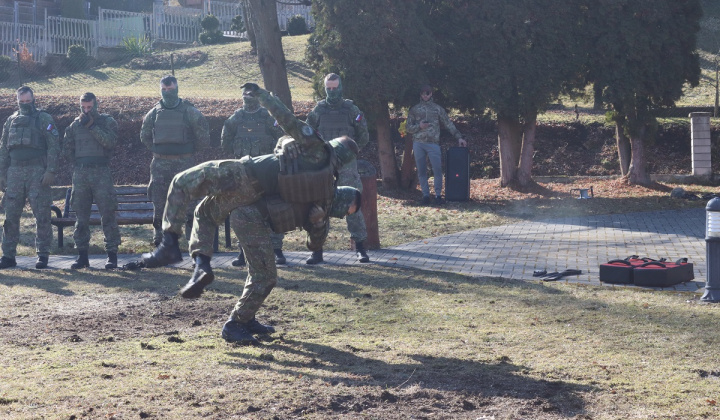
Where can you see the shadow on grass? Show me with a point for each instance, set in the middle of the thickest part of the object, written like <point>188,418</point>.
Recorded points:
<point>471,378</point>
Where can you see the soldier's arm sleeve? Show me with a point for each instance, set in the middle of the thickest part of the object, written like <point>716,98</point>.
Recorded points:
<point>445,121</point>
<point>146,131</point>
<point>412,125</point>
<point>52,139</point>
<point>200,128</point>
<point>287,120</point>
<point>68,148</point>
<point>362,136</point>
<point>313,120</point>
<point>226,135</point>
<point>107,135</point>
<point>273,128</point>
<point>4,151</point>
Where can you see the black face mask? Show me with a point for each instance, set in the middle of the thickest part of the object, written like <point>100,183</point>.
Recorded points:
<point>170,98</point>
<point>27,109</point>
<point>335,96</point>
<point>251,104</point>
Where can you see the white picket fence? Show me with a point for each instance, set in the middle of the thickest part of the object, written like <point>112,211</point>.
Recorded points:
<point>165,23</point>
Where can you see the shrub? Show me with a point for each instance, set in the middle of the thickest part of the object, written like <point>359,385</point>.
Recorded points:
<point>211,34</point>
<point>210,23</point>
<point>5,65</point>
<point>238,24</point>
<point>297,26</point>
<point>137,46</point>
<point>77,57</point>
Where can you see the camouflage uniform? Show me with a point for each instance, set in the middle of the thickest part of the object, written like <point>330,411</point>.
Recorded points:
<point>250,133</point>
<point>173,141</point>
<point>344,119</point>
<point>229,185</point>
<point>29,148</point>
<point>426,143</point>
<point>90,149</point>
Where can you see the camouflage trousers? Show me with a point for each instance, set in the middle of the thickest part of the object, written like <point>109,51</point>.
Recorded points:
<point>236,222</point>
<point>23,183</point>
<point>348,176</point>
<point>94,184</point>
<point>162,172</point>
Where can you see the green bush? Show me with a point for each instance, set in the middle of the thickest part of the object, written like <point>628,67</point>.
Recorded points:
<point>211,34</point>
<point>297,26</point>
<point>5,65</point>
<point>137,46</point>
<point>238,24</point>
<point>77,57</point>
<point>210,23</point>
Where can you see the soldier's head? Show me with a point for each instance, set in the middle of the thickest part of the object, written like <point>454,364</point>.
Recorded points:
<point>345,148</point>
<point>88,103</point>
<point>333,89</point>
<point>250,103</point>
<point>169,91</point>
<point>347,200</point>
<point>26,100</point>
<point>426,92</point>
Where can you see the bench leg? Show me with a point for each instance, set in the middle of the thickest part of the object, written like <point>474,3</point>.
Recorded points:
<point>60,237</point>
<point>228,239</point>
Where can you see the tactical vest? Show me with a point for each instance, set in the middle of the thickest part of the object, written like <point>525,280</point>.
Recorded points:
<point>171,126</point>
<point>86,146</point>
<point>334,122</point>
<point>25,134</point>
<point>251,137</point>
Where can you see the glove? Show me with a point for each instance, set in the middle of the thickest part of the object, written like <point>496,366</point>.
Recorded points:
<point>251,88</point>
<point>87,120</point>
<point>48,179</point>
<point>317,216</point>
<point>3,183</point>
<point>290,148</point>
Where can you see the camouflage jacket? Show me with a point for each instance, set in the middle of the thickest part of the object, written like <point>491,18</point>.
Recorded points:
<point>46,125</point>
<point>198,125</point>
<point>104,131</point>
<point>436,116</point>
<point>228,137</point>
<point>358,130</point>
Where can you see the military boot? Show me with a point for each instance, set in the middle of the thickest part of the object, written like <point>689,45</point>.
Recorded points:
<point>7,262</point>
<point>256,327</point>
<point>111,260</point>
<point>240,260</point>
<point>362,256</point>
<point>42,262</point>
<point>279,256</point>
<point>81,261</point>
<point>202,276</point>
<point>236,332</point>
<point>315,258</point>
<point>167,252</point>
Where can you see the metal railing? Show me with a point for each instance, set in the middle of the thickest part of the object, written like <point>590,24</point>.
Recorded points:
<point>13,35</point>
<point>224,11</point>
<point>114,26</point>
<point>61,33</point>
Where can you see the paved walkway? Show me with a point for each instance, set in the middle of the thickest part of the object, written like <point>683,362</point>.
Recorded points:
<point>516,250</point>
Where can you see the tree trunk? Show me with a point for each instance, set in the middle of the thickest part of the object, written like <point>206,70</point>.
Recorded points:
<point>249,26</point>
<point>386,150</point>
<point>623,147</point>
<point>597,96</point>
<point>509,143</point>
<point>271,56</point>
<point>637,173</point>
<point>408,176</point>
<point>524,174</point>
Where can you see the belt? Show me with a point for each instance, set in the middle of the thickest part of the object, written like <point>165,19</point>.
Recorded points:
<point>172,157</point>
<point>29,162</point>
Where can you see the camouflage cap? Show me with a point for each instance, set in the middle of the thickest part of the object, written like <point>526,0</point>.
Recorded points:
<point>344,198</point>
<point>345,148</point>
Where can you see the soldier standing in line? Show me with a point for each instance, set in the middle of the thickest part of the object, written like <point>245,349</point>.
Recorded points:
<point>252,131</point>
<point>335,117</point>
<point>245,186</point>
<point>29,150</point>
<point>423,122</point>
<point>89,142</point>
<point>173,130</point>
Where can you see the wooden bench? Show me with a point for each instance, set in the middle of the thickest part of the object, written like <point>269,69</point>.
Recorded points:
<point>134,208</point>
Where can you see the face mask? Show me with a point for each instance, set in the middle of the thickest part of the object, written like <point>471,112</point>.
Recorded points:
<point>334,96</point>
<point>250,103</point>
<point>26,109</point>
<point>170,97</point>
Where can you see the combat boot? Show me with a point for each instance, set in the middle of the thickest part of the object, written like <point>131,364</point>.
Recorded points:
<point>315,258</point>
<point>279,256</point>
<point>362,256</point>
<point>167,252</point>
<point>240,260</point>
<point>255,327</point>
<point>7,262</point>
<point>81,261</point>
<point>42,262</point>
<point>202,276</point>
<point>235,332</point>
<point>111,260</point>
